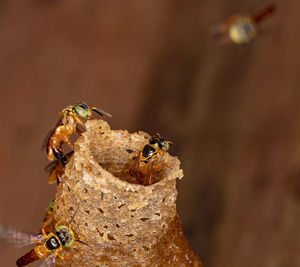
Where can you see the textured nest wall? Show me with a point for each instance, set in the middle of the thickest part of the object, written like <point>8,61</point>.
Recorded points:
<point>124,223</point>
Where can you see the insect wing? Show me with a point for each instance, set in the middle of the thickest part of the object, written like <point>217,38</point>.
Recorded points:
<point>46,139</point>
<point>135,169</point>
<point>149,177</point>
<point>18,238</point>
<point>49,261</point>
<point>51,166</point>
<point>220,33</point>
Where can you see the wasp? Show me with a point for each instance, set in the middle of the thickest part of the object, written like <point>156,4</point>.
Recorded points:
<point>69,120</point>
<point>241,29</point>
<point>51,244</point>
<point>56,169</point>
<point>149,158</point>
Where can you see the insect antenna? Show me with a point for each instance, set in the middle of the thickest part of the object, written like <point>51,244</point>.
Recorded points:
<point>74,215</point>
<point>170,143</point>
<point>82,242</point>
<point>101,112</point>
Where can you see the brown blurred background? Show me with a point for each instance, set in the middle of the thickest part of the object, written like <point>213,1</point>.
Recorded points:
<point>232,112</point>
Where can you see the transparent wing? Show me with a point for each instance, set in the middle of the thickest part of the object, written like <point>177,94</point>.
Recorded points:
<point>52,165</point>
<point>18,238</point>
<point>149,177</point>
<point>49,261</point>
<point>45,141</point>
<point>219,33</point>
<point>135,169</point>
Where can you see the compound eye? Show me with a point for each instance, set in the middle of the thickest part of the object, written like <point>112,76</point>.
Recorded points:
<point>64,235</point>
<point>82,111</point>
<point>51,204</point>
<point>166,145</point>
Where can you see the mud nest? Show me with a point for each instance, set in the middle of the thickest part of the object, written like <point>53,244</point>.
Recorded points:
<point>123,223</point>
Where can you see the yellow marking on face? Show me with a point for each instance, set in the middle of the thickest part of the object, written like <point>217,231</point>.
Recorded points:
<point>242,30</point>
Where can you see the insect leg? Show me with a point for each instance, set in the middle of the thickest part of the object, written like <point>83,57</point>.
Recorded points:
<point>66,257</point>
<point>50,261</point>
<point>78,131</point>
<point>60,221</point>
<point>45,225</point>
<point>157,167</point>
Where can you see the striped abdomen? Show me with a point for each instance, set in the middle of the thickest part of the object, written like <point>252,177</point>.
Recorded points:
<point>29,257</point>
<point>37,253</point>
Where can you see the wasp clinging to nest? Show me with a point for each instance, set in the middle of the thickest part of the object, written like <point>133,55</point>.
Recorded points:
<point>241,29</point>
<point>151,157</point>
<point>70,118</point>
<point>51,244</point>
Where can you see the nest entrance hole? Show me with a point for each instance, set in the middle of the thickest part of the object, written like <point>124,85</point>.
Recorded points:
<point>120,164</point>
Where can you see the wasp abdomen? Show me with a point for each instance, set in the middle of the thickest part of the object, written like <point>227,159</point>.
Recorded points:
<point>60,155</point>
<point>260,16</point>
<point>29,257</point>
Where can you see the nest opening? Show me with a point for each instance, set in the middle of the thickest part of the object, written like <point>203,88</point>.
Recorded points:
<point>119,166</point>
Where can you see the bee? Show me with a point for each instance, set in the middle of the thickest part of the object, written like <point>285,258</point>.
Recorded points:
<point>241,29</point>
<point>51,244</point>
<point>150,158</point>
<point>70,118</point>
<point>56,169</point>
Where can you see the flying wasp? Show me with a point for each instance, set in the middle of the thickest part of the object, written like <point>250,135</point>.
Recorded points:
<point>51,244</point>
<point>241,29</point>
<point>70,118</point>
<point>150,158</point>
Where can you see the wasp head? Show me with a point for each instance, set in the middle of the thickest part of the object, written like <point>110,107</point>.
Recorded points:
<point>157,141</point>
<point>65,235</point>
<point>82,110</point>
<point>242,30</point>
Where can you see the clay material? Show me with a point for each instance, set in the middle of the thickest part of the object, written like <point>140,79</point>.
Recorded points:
<point>123,223</point>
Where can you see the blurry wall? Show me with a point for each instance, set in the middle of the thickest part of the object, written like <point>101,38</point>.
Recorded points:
<point>232,112</point>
